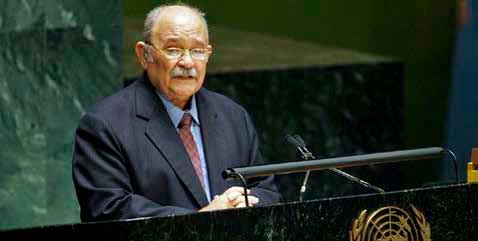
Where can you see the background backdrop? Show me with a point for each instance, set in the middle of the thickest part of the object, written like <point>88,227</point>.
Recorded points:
<point>58,57</point>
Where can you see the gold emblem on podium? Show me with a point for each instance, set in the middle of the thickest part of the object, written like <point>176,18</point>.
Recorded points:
<point>390,224</point>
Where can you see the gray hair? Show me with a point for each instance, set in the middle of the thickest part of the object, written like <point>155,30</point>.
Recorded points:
<point>154,14</point>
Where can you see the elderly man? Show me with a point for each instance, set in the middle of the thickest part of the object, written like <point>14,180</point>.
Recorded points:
<point>158,146</point>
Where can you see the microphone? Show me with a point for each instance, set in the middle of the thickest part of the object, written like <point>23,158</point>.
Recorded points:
<point>299,143</point>
<point>305,155</point>
<point>303,145</point>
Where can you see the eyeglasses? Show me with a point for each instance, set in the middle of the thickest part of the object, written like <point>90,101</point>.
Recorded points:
<point>178,53</point>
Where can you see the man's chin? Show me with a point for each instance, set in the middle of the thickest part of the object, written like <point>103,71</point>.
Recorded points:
<point>184,91</point>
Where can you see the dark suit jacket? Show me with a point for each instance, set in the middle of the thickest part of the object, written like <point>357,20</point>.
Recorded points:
<point>129,160</point>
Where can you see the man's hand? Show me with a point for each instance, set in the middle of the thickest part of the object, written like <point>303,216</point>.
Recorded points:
<point>231,198</point>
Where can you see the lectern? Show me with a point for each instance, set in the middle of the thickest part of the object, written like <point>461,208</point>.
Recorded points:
<point>445,213</point>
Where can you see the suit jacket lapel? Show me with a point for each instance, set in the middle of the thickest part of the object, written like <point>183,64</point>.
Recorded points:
<point>164,136</point>
<point>214,149</point>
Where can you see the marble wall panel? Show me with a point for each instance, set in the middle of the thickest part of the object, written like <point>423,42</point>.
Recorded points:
<point>56,59</point>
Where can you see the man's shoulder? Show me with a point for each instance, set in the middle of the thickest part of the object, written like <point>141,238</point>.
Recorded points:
<point>117,105</point>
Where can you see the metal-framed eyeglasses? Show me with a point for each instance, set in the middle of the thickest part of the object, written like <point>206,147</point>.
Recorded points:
<point>177,53</point>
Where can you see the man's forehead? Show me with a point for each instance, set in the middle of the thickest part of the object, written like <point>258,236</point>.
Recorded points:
<point>175,38</point>
<point>177,22</point>
<point>180,16</point>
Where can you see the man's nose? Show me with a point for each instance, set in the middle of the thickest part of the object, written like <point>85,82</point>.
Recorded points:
<point>186,61</point>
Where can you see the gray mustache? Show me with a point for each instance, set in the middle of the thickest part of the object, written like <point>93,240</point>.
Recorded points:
<point>183,72</point>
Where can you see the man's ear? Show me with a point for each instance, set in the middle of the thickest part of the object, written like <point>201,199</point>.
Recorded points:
<point>209,49</point>
<point>143,55</point>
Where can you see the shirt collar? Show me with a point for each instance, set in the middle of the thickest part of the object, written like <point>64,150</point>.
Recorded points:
<point>175,113</point>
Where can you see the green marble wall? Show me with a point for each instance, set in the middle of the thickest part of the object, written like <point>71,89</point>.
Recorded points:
<point>56,58</point>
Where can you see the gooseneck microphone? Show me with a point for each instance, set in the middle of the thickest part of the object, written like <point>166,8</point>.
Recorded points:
<point>300,145</point>
<point>305,155</point>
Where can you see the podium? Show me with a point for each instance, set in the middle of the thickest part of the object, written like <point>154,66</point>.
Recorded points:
<point>434,213</point>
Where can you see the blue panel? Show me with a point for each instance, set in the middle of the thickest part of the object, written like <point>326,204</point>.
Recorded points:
<point>462,132</point>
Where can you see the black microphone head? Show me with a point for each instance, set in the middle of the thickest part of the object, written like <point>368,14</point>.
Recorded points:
<point>300,140</point>
<point>292,140</point>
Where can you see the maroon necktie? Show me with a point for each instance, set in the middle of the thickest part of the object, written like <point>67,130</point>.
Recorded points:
<point>190,144</point>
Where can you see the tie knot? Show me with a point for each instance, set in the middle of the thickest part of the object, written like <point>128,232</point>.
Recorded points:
<point>186,120</point>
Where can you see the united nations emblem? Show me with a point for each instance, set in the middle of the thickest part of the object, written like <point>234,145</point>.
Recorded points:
<point>390,224</point>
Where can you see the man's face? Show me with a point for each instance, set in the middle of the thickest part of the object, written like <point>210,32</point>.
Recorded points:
<point>177,28</point>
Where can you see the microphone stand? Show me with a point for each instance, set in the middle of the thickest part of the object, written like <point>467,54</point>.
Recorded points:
<point>307,155</point>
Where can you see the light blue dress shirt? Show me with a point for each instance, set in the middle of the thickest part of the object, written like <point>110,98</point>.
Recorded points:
<point>176,114</point>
